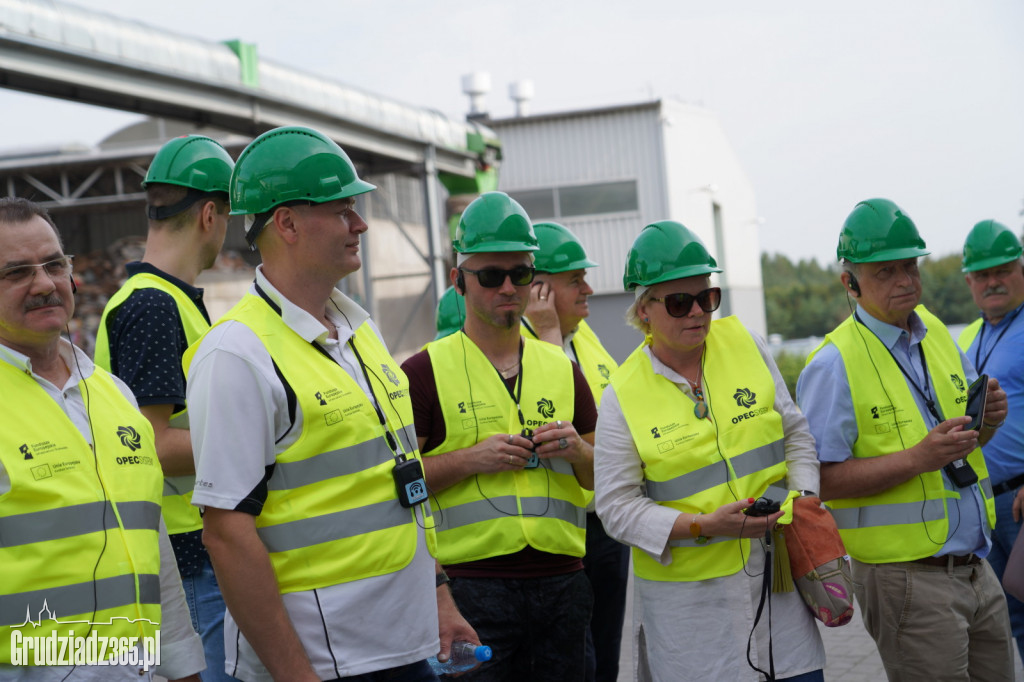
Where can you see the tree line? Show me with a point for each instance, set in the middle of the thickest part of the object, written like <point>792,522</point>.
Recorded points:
<point>806,299</point>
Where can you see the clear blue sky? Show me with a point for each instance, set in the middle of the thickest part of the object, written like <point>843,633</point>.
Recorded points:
<point>825,103</point>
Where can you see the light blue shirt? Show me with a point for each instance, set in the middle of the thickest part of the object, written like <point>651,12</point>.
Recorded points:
<point>823,393</point>
<point>998,350</point>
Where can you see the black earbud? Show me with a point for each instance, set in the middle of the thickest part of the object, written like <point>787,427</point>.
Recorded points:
<point>74,287</point>
<point>854,284</point>
<point>460,283</point>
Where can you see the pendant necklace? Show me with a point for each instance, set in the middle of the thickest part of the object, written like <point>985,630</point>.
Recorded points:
<point>700,408</point>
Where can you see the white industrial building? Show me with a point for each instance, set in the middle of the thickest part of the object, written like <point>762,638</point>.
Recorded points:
<point>605,173</point>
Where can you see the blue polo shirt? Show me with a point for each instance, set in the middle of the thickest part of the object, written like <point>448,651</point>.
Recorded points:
<point>998,350</point>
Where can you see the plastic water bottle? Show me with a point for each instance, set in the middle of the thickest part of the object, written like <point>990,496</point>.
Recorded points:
<point>463,656</point>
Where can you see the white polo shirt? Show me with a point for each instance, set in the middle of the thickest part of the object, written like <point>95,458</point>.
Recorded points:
<point>239,422</point>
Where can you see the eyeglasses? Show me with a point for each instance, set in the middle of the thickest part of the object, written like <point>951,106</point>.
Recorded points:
<point>56,268</point>
<point>492,278</point>
<point>680,305</point>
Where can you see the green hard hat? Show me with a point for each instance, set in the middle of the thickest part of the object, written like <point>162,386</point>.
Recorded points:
<point>193,161</point>
<point>288,164</point>
<point>451,314</point>
<point>878,230</point>
<point>560,250</point>
<point>494,222</point>
<point>664,251</point>
<point>990,244</point>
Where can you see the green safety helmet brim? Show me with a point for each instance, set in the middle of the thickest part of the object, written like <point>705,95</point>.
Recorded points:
<point>193,161</point>
<point>451,314</point>
<point>989,244</point>
<point>877,230</point>
<point>289,164</point>
<point>494,222</point>
<point>560,250</point>
<point>664,251</point>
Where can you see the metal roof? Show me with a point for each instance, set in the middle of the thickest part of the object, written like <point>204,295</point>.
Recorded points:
<point>61,50</point>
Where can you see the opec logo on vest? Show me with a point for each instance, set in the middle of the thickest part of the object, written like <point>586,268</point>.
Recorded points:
<point>78,642</point>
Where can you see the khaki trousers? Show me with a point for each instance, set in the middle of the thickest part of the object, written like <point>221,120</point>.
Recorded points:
<point>936,623</point>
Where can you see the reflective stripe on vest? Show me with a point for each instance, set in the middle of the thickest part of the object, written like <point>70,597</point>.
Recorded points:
<point>78,519</point>
<point>498,514</point>
<point>179,514</point>
<point>910,520</point>
<point>332,513</point>
<point>82,598</point>
<point>696,465</point>
<point>75,524</point>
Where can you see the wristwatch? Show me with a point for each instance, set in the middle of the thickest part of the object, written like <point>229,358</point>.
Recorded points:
<point>441,579</point>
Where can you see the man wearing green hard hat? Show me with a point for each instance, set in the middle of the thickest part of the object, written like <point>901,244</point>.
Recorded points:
<point>145,329</point>
<point>450,314</point>
<point>557,313</point>
<point>902,472</point>
<point>506,427</point>
<point>316,515</point>
<point>995,344</point>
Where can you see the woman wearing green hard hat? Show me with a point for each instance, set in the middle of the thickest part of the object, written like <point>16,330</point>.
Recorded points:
<point>696,425</point>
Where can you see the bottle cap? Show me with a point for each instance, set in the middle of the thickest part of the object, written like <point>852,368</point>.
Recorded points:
<point>483,653</point>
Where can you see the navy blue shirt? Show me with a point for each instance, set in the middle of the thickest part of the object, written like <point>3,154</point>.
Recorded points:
<point>147,340</point>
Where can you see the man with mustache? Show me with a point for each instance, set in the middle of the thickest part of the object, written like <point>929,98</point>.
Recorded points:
<point>506,428</point>
<point>884,396</point>
<point>83,547</point>
<point>995,344</point>
<point>557,313</point>
<point>145,329</point>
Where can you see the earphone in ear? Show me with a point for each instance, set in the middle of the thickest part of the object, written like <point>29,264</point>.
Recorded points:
<point>460,283</point>
<point>854,284</point>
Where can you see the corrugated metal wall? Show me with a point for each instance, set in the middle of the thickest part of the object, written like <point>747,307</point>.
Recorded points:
<point>603,146</point>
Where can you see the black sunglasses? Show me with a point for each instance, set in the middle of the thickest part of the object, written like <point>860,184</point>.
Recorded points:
<point>491,278</point>
<point>680,305</point>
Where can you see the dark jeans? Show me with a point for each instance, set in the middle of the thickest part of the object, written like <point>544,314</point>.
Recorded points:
<point>607,567</point>
<point>414,672</point>
<point>536,627</point>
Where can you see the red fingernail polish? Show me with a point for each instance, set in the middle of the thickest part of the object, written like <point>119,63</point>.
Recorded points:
<point>750,500</point>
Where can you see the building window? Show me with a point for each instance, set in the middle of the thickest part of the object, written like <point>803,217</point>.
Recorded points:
<point>579,200</point>
<point>539,203</point>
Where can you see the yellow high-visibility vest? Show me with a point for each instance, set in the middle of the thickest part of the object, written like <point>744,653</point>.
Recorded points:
<point>179,514</point>
<point>490,515</point>
<point>332,513</point>
<point>910,520</point>
<point>697,465</point>
<point>79,539</point>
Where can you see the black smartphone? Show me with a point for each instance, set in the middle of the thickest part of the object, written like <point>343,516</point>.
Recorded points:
<point>977,397</point>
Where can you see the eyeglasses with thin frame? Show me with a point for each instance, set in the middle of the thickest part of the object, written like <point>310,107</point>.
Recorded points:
<point>492,278</point>
<point>680,305</point>
<point>54,269</point>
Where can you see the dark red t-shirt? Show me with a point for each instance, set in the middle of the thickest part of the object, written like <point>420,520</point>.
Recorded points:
<point>429,420</point>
